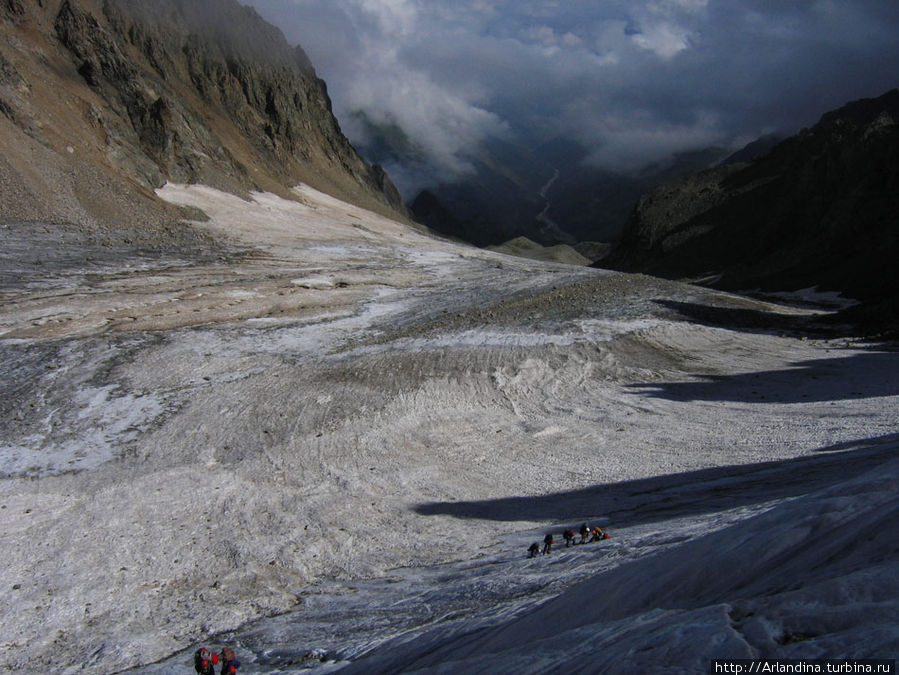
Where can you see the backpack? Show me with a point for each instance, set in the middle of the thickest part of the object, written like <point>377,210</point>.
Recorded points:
<point>230,664</point>
<point>204,661</point>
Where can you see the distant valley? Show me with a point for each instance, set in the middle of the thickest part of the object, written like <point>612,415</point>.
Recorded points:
<point>818,209</point>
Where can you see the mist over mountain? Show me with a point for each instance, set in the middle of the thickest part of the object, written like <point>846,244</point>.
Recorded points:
<point>549,195</point>
<point>546,194</point>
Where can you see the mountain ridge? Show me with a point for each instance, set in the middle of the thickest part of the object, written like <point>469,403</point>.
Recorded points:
<point>183,93</point>
<point>820,209</point>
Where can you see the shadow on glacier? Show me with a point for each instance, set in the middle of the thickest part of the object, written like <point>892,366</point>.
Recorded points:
<point>863,375</point>
<point>750,320</point>
<point>648,500</point>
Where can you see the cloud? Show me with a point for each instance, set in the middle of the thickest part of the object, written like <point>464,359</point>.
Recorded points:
<point>366,50</point>
<point>665,26</point>
<point>548,37</point>
<point>666,40</point>
<point>631,143</point>
<point>633,80</point>
<point>439,123</point>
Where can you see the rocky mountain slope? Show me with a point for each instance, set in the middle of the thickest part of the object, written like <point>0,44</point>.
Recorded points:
<point>821,209</point>
<point>102,101</point>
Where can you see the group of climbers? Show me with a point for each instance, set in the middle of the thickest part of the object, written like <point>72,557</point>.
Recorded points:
<point>206,661</point>
<point>588,535</point>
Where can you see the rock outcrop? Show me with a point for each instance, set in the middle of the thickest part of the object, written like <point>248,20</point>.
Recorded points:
<point>821,209</point>
<point>138,93</point>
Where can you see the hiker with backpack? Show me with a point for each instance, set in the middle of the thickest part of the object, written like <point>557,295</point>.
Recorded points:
<point>598,534</point>
<point>584,532</point>
<point>230,664</point>
<point>568,536</point>
<point>533,550</point>
<point>548,542</point>
<point>205,662</point>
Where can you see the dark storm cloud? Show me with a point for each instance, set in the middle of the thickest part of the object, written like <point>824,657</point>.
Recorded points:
<point>633,80</point>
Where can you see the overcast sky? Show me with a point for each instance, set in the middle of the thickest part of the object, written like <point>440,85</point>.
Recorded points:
<point>633,80</point>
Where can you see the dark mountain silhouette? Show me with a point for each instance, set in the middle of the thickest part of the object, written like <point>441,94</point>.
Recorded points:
<point>428,209</point>
<point>593,204</point>
<point>820,209</point>
<point>761,146</point>
<point>497,202</point>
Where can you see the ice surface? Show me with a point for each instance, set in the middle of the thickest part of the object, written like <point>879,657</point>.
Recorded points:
<point>355,429</point>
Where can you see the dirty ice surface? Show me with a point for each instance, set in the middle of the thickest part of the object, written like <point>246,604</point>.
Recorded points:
<point>330,444</point>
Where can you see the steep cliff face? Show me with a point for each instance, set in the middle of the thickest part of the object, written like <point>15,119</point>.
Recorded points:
<point>822,208</point>
<point>171,90</point>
